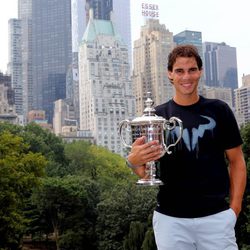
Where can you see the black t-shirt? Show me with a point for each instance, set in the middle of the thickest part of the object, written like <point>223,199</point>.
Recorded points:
<point>195,175</point>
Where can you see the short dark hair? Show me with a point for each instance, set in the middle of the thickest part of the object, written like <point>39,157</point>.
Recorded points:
<point>187,50</point>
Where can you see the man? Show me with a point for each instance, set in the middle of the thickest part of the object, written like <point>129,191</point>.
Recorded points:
<point>205,176</point>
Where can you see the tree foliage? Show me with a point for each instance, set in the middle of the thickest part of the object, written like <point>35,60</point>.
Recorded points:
<point>79,194</point>
<point>245,132</point>
<point>125,204</point>
<point>243,222</point>
<point>20,170</point>
<point>149,240</point>
<point>96,162</point>
<point>69,206</point>
<point>135,237</point>
<point>44,142</point>
<point>49,145</point>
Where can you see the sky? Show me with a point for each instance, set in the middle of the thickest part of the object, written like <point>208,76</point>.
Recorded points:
<point>8,10</point>
<point>218,20</point>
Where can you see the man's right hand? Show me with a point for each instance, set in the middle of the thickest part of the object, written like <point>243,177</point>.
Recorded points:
<point>142,152</point>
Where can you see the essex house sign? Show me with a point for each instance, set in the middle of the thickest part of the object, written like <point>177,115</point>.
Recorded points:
<point>150,10</point>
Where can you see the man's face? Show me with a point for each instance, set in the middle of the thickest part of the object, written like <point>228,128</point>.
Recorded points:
<point>185,76</point>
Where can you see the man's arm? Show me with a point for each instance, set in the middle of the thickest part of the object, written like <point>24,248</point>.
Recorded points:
<point>237,172</point>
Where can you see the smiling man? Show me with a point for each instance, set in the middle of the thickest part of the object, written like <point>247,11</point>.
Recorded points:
<point>205,176</point>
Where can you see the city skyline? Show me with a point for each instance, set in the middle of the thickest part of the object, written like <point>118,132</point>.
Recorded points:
<point>217,21</point>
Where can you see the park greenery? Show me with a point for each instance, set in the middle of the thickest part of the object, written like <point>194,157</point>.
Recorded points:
<point>78,195</point>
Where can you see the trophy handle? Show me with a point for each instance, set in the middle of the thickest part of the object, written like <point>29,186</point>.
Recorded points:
<point>121,125</point>
<point>171,124</point>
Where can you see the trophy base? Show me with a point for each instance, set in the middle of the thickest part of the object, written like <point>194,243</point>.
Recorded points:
<point>149,182</point>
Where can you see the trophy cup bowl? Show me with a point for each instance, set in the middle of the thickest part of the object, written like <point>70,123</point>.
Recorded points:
<point>153,127</point>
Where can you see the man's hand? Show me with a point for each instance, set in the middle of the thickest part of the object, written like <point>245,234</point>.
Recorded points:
<point>142,152</point>
<point>238,177</point>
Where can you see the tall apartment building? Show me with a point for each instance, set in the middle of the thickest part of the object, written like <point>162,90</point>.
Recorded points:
<point>15,63</point>
<point>150,64</point>
<point>25,17</point>
<point>220,65</point>
<point>20,63</point>
<point>117,10</point>
<point>104,84</point>
<point>242,101</point>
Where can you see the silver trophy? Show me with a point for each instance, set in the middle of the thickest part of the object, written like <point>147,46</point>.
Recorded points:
<point>153,127</point>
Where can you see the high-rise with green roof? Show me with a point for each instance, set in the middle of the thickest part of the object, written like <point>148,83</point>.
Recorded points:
<point>117,10</point>
<point>105,91</point>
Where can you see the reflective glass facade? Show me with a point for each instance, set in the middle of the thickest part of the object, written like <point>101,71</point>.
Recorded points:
<point>51,52</point>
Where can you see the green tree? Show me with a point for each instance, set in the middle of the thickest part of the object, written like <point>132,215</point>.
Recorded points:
<point>48,144</point>
<point>42,141</point>
<point>79,156</point>
<point>69,205</point>
<point>141,236</point>
<point>245,133</point>
<point>96,162</point>
<point>119,207</point>
<point>20,170</point>
<point>149,240</point>
<point>12,128</point>
<point>243,222</point>
<point>135,237</point>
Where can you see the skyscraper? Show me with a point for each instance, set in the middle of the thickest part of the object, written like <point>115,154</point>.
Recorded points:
<point>25,17</point>
<point>150,64</point>
<point>117,10</point>
<point>51,52</point>
<point>104,84</point>
<point>78,22</point>
<point>101,9</point>
<point>20,64</point>
<point>220,65</point>
<point>193,38</point>
<point>45,50</point>
<point>15,63</point>
<point>190,37</point>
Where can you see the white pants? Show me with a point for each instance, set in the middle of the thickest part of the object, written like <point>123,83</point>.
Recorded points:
<point>214,232</point>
